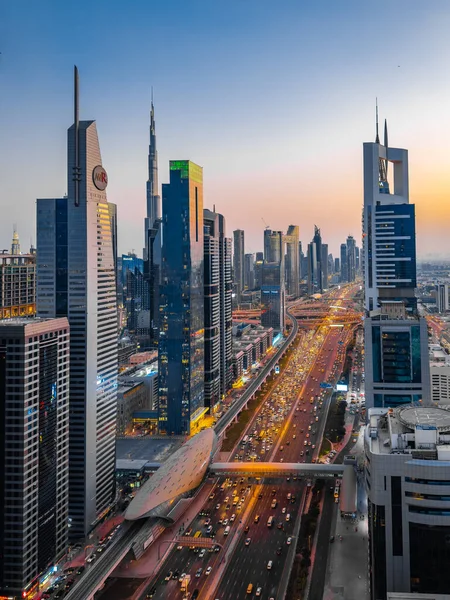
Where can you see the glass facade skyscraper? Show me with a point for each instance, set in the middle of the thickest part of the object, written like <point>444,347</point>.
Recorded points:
<point>238,263</point>
<point>181,338</point>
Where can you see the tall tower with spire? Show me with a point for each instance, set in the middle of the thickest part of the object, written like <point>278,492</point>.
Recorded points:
<point>148,320</point>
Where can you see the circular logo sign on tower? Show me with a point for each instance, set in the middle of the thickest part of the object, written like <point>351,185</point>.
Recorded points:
<point>100,177</point>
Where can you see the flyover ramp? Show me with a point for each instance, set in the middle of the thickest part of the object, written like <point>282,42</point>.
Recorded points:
<point>259,469</point>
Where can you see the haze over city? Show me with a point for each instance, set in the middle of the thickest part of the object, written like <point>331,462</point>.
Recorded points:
<point>273,102</point>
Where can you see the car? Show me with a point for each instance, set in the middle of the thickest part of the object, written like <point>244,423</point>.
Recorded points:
<point>208,570</point>
<point>179,547</point>
<point>202,553</point>
<point>225,522</point>
<point>331,539</point>
<point>211,496</point>
<point>248,541</point>
<point>246,529</point>
<point>168,577</point>
<point>91,558</point>
<point>216,548</point>
<point>258,591</point>
<point>289,541</point>
<point>279,550</point>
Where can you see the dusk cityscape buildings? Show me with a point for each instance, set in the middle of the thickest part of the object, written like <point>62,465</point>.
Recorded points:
<point>221,408</point>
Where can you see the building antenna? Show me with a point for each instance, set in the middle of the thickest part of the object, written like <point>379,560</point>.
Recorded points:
<point>76,120</point>
<point>377,138</point>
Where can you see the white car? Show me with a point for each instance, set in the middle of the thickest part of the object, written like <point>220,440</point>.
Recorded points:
<point>208,570</point>
<point>283,510</point>
<point>289,541</point>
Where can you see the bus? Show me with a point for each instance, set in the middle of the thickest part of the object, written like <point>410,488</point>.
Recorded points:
<point>197,534</point>
<point>270,522</point>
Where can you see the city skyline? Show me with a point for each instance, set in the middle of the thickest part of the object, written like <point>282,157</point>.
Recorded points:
<point>227,96</point>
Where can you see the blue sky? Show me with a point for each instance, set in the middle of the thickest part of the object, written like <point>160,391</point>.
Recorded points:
<point>273,99</point>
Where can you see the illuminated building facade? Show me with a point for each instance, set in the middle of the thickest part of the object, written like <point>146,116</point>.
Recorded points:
<point>76,278</point>
<point>17,285</point>
<point>181,338</point>
<point>34,398</point>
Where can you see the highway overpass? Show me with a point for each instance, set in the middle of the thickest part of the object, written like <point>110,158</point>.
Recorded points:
<point>276,469</point>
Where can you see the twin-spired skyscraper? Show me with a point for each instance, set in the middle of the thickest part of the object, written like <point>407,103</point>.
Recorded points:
<point>76,278</point>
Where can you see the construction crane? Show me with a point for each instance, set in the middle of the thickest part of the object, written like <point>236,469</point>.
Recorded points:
<point>266,226</point>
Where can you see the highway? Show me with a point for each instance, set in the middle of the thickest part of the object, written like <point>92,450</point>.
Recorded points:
<point>288,428</point>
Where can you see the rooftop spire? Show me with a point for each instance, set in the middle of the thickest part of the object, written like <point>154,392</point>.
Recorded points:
<point>377,138</point>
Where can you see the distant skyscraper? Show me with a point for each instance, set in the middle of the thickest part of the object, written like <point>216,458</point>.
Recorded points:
<point>337,266</point>
<point>238,262</point>
<point>34,413</point>
<point>344,264</point>
<point>315,269</point>
<point>249,272</point>
<point>324,265</point>
<point>351,258</point>
<point>134,299</point>
<point>357,260</point>
<point>76,278</point>
<point>292,260</point>
<point>149,316</point>
<point>257,267</point>
<point>442,297</point>
<point>218,316</point>
<point>15,245</point>
<point>181,339</point>
<point>396,340</point>
<point>273,286</point>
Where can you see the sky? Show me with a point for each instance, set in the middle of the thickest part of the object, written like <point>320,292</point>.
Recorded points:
<point>273,99</point>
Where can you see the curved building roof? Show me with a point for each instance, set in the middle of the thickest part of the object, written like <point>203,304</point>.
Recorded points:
<point>182,472</point>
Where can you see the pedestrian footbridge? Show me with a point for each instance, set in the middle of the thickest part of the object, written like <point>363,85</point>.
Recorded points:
<point>276,469</point>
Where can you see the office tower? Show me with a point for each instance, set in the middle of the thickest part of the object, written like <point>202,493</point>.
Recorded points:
<point>344,264</point>
<point>217,309</point>
<point>249,271</point>
<point>17,285</point>
<point>407,473</point>
<point>292,260</point>
<point>337,267</point>
<point>442,297</point>
<point>257,268</point>
<point>351,259</point>
<point>238,263</point>
<point>181,339</point>
<point>273,285</point>
<point>396,340</point>
<point>267,249</point>
<point>357,260</point>
<point>134,296</point>
<point>130,262</point>
<point>34,412</point>
<point>324,264</point>
<point>76,278</point>
<point>273,246</point>
<point>149,316</point>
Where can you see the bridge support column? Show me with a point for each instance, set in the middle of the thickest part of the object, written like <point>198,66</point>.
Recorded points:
<point>235,420</point>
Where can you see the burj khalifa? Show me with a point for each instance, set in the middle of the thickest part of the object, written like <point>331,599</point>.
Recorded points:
<point>149,326</point>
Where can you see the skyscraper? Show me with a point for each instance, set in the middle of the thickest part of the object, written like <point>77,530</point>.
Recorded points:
<point>76,278</point>
<point>344,264</point>
<point>442,297</point>
<point>396,340</point>
<point>238,263</point>
<point>273,286</point>
<point>292,260</point>
<point>249,272</point>
<point>149,316</point>
<point>315,269</point>
<point>218,316</point>
<point>324,265</point>
<point>17,285</point>
<point>351,258</point>
<point>34,398</point>
<point>181,338</point>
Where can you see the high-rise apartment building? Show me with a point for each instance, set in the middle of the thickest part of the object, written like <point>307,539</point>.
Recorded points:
<point>149,316</point>
<point>238,263</point>
<point>17,285</point>
<point>76,278</point>
<point>217,309</point>
<point>292,260</point>
<point>34,445</point>
<point>181,338</point>
<point>407,473</point>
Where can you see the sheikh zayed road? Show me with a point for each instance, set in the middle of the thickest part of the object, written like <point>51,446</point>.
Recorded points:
<point>252,552</point>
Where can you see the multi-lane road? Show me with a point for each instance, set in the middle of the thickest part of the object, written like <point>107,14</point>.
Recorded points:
<point>288,428</point>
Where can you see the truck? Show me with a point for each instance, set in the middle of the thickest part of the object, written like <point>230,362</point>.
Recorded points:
<point>185,582</point>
